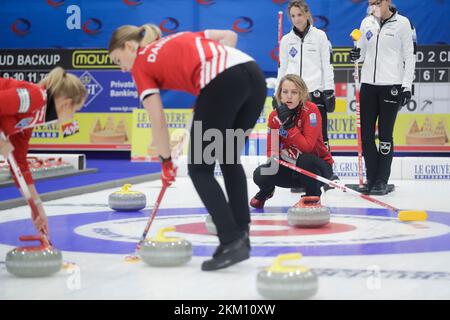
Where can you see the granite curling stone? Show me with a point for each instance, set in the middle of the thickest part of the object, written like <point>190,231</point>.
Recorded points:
<point>165,252</point>
<point>308,213</point>
<point>290,282</point>
<point>33,261</point>
<point>127,200</point>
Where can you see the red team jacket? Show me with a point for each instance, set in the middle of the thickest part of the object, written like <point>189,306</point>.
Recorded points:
<point>184,61</point>
<point>304,137</point>
<point>22,107</point>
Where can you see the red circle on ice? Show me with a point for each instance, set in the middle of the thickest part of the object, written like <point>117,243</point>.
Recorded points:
<point>286,230</point>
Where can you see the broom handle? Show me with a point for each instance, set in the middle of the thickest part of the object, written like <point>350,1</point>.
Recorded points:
<point>175,154</point>
<point>336,185</point>
<point>280,33</point>
<point>358,123</point>
<point>24,187</point>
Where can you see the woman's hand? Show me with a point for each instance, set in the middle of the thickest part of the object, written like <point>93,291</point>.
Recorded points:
<point>286,116</point>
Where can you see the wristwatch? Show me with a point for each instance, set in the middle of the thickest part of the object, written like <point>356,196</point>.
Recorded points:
<point>162,159</point>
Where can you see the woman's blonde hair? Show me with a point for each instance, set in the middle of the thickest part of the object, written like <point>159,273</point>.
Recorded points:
<point>300,85</point>
<point>303,6</point>
<point>60,83</point>
<point>143,35</point>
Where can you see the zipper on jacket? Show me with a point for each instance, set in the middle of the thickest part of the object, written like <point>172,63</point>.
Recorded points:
<point>376,48</point>
<point>301,57</point>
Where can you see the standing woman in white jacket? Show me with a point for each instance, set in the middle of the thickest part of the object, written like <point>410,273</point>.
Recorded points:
<point>388,48</point>
<point>306,51</point>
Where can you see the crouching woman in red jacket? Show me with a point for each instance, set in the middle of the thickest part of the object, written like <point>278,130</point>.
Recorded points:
<point>297,125</point>
<point>25,105</point>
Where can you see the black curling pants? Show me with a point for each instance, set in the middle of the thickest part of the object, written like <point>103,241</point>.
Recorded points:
<point>233,100</point>
<point>378,103</point>
<point>288,178</point>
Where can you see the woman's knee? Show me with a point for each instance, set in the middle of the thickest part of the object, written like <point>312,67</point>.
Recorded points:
<point>258,177</point>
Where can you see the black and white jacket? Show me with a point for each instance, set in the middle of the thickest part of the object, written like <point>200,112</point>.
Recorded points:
<point>308,57</point>
<point>388,50</point>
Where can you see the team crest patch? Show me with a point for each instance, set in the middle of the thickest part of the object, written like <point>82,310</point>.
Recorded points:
<point>293,52</point>
<point>394,92</point>
<point>312,119</point>
<point>23,123</point>
<point>283,133</point>
<point>369,35</point>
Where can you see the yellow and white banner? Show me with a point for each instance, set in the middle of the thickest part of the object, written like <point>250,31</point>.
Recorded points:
<point>142,147</point>
<point>97,131</point>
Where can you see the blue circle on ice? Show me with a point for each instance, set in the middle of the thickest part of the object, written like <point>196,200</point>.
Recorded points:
<point>429,236</point>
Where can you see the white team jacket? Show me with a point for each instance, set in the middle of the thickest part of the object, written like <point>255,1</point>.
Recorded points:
<point>387,51</point>
<point>310,59</point>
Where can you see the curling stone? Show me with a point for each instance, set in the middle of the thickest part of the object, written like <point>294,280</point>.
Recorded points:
<point>287,282</point>
<point>210,226</point>
<point>50,168</point>
<point>308,213</point>
<point>33,261</point>
<point>36,168</point>
<point>127,200</point>
<point>166,252</point>
<point>64,167</point>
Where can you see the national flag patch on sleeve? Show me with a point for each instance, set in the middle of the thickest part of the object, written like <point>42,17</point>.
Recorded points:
<point>312,119</point>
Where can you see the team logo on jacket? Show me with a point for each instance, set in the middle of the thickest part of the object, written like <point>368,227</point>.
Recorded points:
<point>394,92</point>
<point>293,52</point>
<point>312,119</point>
<point>369,35</point>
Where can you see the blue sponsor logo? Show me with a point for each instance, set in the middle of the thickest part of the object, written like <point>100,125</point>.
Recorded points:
<point>369,35</point>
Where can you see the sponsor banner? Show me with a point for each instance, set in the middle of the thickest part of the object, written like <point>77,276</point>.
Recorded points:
<point>403,168</point>
<point>347,168</point>
<point>89,24</point>
<point>419,132</point>
<point>142,147</point>
<point>426,168</point>
<point>112,91</point>
<point>97,131</point>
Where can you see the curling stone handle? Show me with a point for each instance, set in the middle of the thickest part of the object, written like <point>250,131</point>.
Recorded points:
<point>40,238</point>
<point>160,235</point>
<point>309,202</point>
<point>126,187</point>
<point>277,264</point>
